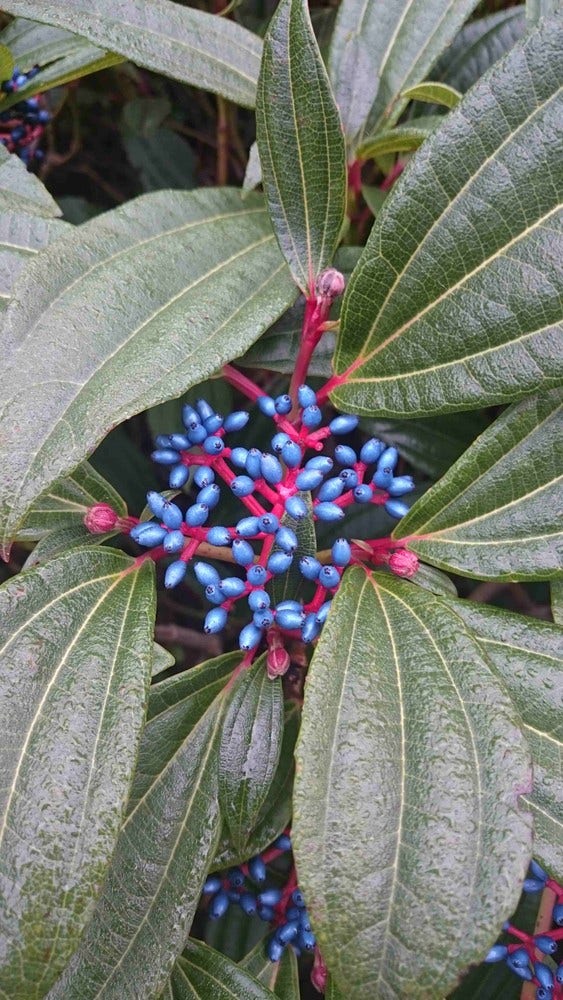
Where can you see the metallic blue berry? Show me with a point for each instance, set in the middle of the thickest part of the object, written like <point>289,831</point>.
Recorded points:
<point>545,944</point>
<point>310,628</point>
<point>179,441</point>
<point>247,527</point>
<point>522,971</point>
<point>206,574</point>
<point>166,456</point>
<point>290,605</point>
<point>279,562</point>
<point>321,462</point>
<point>235,877</point>
<point>396,508</point>
<point>345,455</point>
<point>350,478</point>
<point>328,512</point>
<point>204,409</point>
<point>311,416</point>
<point>558,914</point>
<point>307,940</point>
<point>286,539</point>
<point>232,586</point>
<point>219,905</point>
<point>249,637</point>
<point>400,485</point>
<point>293,913</point>
<point>198,434</point>
<point>156,502</point>
<point>269,524</point>
<point>323,612</point>
<point>291,454</point>
<point>263,619</point>
<point>388,459</point>
<point>306,396</point>
<point>214,594</point>
<point>544,975</point>
<point>296,508</point>
<point>271,469</point>
<point>257,869</point>
<point>304,921</point>
<point>196,515</point>
<point>213,445</point>
<point>171,516</point>
<point>287,932</point>
<point>253,462</point>
<point>236,420</point>
<point>343,424</point>
<point>341,552</point>
<point>234,896</point>
<point>278,442</point>
<point>203,476</point>
<point>256,576</point>
<point>213,423</point>
<point>258,600</point>
<point>544,993</point>
<point>309,567</point>
<point>266,406</point>
<point>242,486</point>
<point>382,478</point>
<point>559,974</point>
<point>283,404</point>
<point>283,842</point>
<point>537,870</point>
<point>148,534</point>
<point>174,542</point>
<point>274,950</point>
<point>239,457</point>
<point>179,476</point>
<point>519,957</point>
<point>243,553</point>
<point>266,912</point>
<point>331,489</point>
<point>269,897</point>
<point>175,574</point>
<point>190,418</point>
<point>362,494</point>
<point>532,885</point>
<point>289,619</point>
<point>329,577</point>
<point>215,621</point>
<point>371,451</point>
<point>218,535</point>
<point>247,903</point>
<point>212,884</point>
<point>309,479</point>
<point>497,953</point>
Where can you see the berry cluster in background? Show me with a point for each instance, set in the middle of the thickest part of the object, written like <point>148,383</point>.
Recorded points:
<point>22,125</point>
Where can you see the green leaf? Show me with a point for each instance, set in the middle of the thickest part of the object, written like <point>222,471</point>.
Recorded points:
<point>434,581</point>
<point>301,145</point>
<point>124,327</point>
<point>21,191</point>
<point>463,310</point>
<point>431,444</point>
<point>527,654</point>
<point>432,92</point>
<point>409,766</point>
<point>195,47</point>
<point>22,236</point>
<point>282,977</point>
<point>75,656</point>
<point>201,973</point>
<point>154,882</point>
<point>377,51</point>
<point>374,198</point>
<point>253,172</point>
<point>62,540</point>
<point>536,9</point>
<point>250,748</point>
<point>6,62</point>
<point>497,513</point>
<point>67,501</point>
<point>401,139</point>
<point>162,660</point>
<point>162,160</point>
<point>478,45</point>
<point>557,601</point>
<point>290,584</point>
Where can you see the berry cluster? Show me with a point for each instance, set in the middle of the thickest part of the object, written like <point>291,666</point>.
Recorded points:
<point>284,908</point>
<point>527,957</point>
<point>22,126</point>
<point>279,488</point>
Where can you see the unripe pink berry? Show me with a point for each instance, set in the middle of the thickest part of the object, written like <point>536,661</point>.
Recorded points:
<point>330,284</point>
<point>100,518</point>
<point>277,662</point>
<point>403,563</point>
<point>319,972</point>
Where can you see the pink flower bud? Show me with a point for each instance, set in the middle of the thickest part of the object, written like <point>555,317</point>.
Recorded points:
<point>330,284</point>
<point>100,518</point>
<point>403,563</point>
<point>319,972</point>
<point>277,662</point>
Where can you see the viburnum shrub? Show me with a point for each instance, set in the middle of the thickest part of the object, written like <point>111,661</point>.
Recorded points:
<point>353,386</point>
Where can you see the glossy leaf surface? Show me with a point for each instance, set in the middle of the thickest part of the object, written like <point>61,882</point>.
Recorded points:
<point>75,660</point>
<point>201,973</point>
<point>154,882</point>
<point>527,655</point>
<point>138,327</point>
<point>409,766</point>
<point>195,47</point>
<point>464,310</point>
<point>282,977</point>
<point>300,143</point>
<point>497,512</point>
<point>250,748</point>
<point>378,50</point>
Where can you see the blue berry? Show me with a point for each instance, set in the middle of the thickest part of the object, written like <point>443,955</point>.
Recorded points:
<point>287,932</point>
<point>213,445</point>
<point>212,884</point>
<point>362,494</point>
<point>279,562</point>
<point>382,478</point>
<point>278,441</point>
<point>263,619</point>
<point>174,542</point>
<point>283,404</point>
<point>232,586</point>
<point>148,534</point>
<point>307,940</point>
<point>345,455</point>
<point>288,619</point>
<point>248,527</point>
<point>321,462</point>
<point>309,567</point>
<point>179,476</point>
<point>219,905</point>
<point>236,421</point>
<point>206,574</point>
<point>331,489</point>
<point>253,462</point>
<point>544,975</point>
<point>286,539</point>
<point>532,885</point>
<point>537,870</point>
<point>558,914</point>
<point>239,457</point>
<point>283,842</point>
<point>175,574</point>
<point>209,495</point>
<point>271,469</point>
<point>291,454</point>
<point>329,512</point>
<point>323,612</point>
<point>497,953</point>
<point>256,576</point>
<point>559,974</point>
<point>243,553</point>
<point>213,423</point>
<point>190,418</point>
<point>235,877</point>
<point>396,508</point>
<point>242,486</point>
<point>519,957</point>
<point>371,451</point>
<point>215,621</point>
<point>269,524</point>
<point>172,516</point>
<point>400,485</point>
<point>274,950</point>
<point>269,897</point>
<point>197,515</point>
<point>306,396</point>
<point>296,508</point>
<point>258,600</point>
<point>329,577</point>
<point>218,536</point>
<point>545,944</point>
<point>311,416</point>
<point>165,456</point>
<point>257,869</point>
<point>248,903</point>
<point>156,502</point>
<point>204,409</point>
<point>204,476</point>
<point>309,479</point>
<point>343,424</point>
<point>341,552</point>
<point>214,594</point>
<point>310,628</point>
<point>179,441</point>
<point>267,406</point>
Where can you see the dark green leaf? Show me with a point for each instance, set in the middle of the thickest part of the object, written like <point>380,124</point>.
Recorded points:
<point>433,580</point>
<point>162,660</point>
<point>557,601</point>
<point>527,654</point>
<point>401,139</point>
<point>374,198</point>
<point>154,882</point>
<point>301,144</point>
<point>201,973</point>
<point>290,584</point>
<point>62,540</point>
<point>75,658</point>
<point>162,160</point>
<point>378,50</point>
<point>250,749</point>
<point>124,327</point>
<point>195,47</point>
<point>478,45</point>
<point>432,92</point>
<point>21,191</point>
<point>409,766</point>
<point>66,502</point>
<point>464,309</point>
<point>431,444</point>
<point>282,977</point>
<point>497,512</point>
